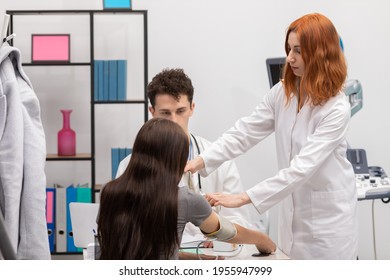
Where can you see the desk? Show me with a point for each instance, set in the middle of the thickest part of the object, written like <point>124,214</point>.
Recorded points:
<point>245,254</point>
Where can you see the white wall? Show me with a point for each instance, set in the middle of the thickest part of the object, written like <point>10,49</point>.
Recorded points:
<point>223,45</point>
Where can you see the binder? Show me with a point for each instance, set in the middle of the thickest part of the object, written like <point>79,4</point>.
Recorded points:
<point>83,194</point>
<point>50,216</point>
<point>114,162</point>
<point>60,219</point>
<point>112,80</point>
<point>71,196</point>
<point>122,79</point>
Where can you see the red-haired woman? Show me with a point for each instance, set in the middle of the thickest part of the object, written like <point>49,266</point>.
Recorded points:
<point>309,114</point>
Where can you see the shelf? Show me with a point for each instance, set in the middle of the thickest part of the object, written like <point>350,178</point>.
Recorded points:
<point>54,157</point>
<point>121,102</point>
<point>82,61</point>
<point>57,64</point>
<point>89,62</point>
<point>45,12</point>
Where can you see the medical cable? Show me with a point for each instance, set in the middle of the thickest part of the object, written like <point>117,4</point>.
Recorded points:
<point>198,150</point>
<point>238,251</point>
<point>373,227</point>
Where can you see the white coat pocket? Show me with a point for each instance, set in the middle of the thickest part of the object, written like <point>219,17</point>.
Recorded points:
<point>332,214</point>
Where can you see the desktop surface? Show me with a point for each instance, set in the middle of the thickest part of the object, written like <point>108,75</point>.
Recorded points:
<point>245,252</point>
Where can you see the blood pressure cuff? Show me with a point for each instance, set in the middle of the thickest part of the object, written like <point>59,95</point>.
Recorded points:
<point>226,230</point>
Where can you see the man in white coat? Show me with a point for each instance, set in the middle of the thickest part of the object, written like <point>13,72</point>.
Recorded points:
<point>171,96</point>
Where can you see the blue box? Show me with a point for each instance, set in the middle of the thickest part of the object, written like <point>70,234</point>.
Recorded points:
<point>116,4</point>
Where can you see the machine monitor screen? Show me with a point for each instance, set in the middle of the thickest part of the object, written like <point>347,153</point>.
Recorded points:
<point>275,69</point>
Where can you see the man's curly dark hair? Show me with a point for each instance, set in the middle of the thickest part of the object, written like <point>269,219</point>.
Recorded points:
<point>173,82</point>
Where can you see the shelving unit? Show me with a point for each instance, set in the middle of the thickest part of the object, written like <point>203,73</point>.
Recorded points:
<point>89,18</point>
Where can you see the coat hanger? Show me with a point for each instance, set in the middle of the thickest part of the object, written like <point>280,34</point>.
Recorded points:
<point>4,29</point>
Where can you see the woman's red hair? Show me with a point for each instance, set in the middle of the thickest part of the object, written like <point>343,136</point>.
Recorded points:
<point>325,67</point>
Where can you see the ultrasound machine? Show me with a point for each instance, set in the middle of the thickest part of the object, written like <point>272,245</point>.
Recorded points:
<point>371,181</point>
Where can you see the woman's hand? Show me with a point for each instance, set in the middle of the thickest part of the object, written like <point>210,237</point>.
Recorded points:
<point>194,165</point>
<point>228,200</point>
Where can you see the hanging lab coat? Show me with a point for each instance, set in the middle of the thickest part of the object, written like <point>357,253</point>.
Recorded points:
<point>22,160</point>
<point>315,183</point>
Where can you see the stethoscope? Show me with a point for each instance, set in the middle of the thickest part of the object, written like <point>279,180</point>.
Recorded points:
<point>198,150</point>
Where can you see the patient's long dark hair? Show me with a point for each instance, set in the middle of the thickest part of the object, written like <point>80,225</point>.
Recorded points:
<point>138,210</point>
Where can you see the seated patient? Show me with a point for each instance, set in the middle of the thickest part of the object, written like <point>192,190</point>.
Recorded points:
<point>143,213</point>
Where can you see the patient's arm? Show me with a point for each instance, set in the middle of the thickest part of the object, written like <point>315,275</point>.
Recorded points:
<point>223,230</point>
<point>248,236</point>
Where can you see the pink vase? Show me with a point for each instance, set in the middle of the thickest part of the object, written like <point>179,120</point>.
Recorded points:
<point>66,136</point>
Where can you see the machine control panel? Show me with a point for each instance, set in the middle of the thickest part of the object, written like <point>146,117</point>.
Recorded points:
<point>371,187</point>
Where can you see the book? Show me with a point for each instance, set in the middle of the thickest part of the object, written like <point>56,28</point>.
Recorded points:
<point>100,81</point>
<point>122,154</point>
<point>112,80</point>
<point>106,75</point>
<point>115,154</point>
<point>122,79</point>
<point>96,80</point>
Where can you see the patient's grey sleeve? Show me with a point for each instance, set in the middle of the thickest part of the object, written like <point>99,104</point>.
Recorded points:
<point>195,209</point>
<point>226,230</point>
<point>192,208</point>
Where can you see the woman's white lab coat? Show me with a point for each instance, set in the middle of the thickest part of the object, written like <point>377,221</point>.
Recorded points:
<point>315,183</point>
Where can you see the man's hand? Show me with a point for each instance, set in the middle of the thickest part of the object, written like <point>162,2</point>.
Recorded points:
<point>194,165</point>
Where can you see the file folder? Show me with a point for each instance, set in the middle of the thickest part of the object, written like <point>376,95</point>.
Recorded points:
<point>60,219</point>
<point>84,195</point>
<point>71,196</point>
<point>50,217</point>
